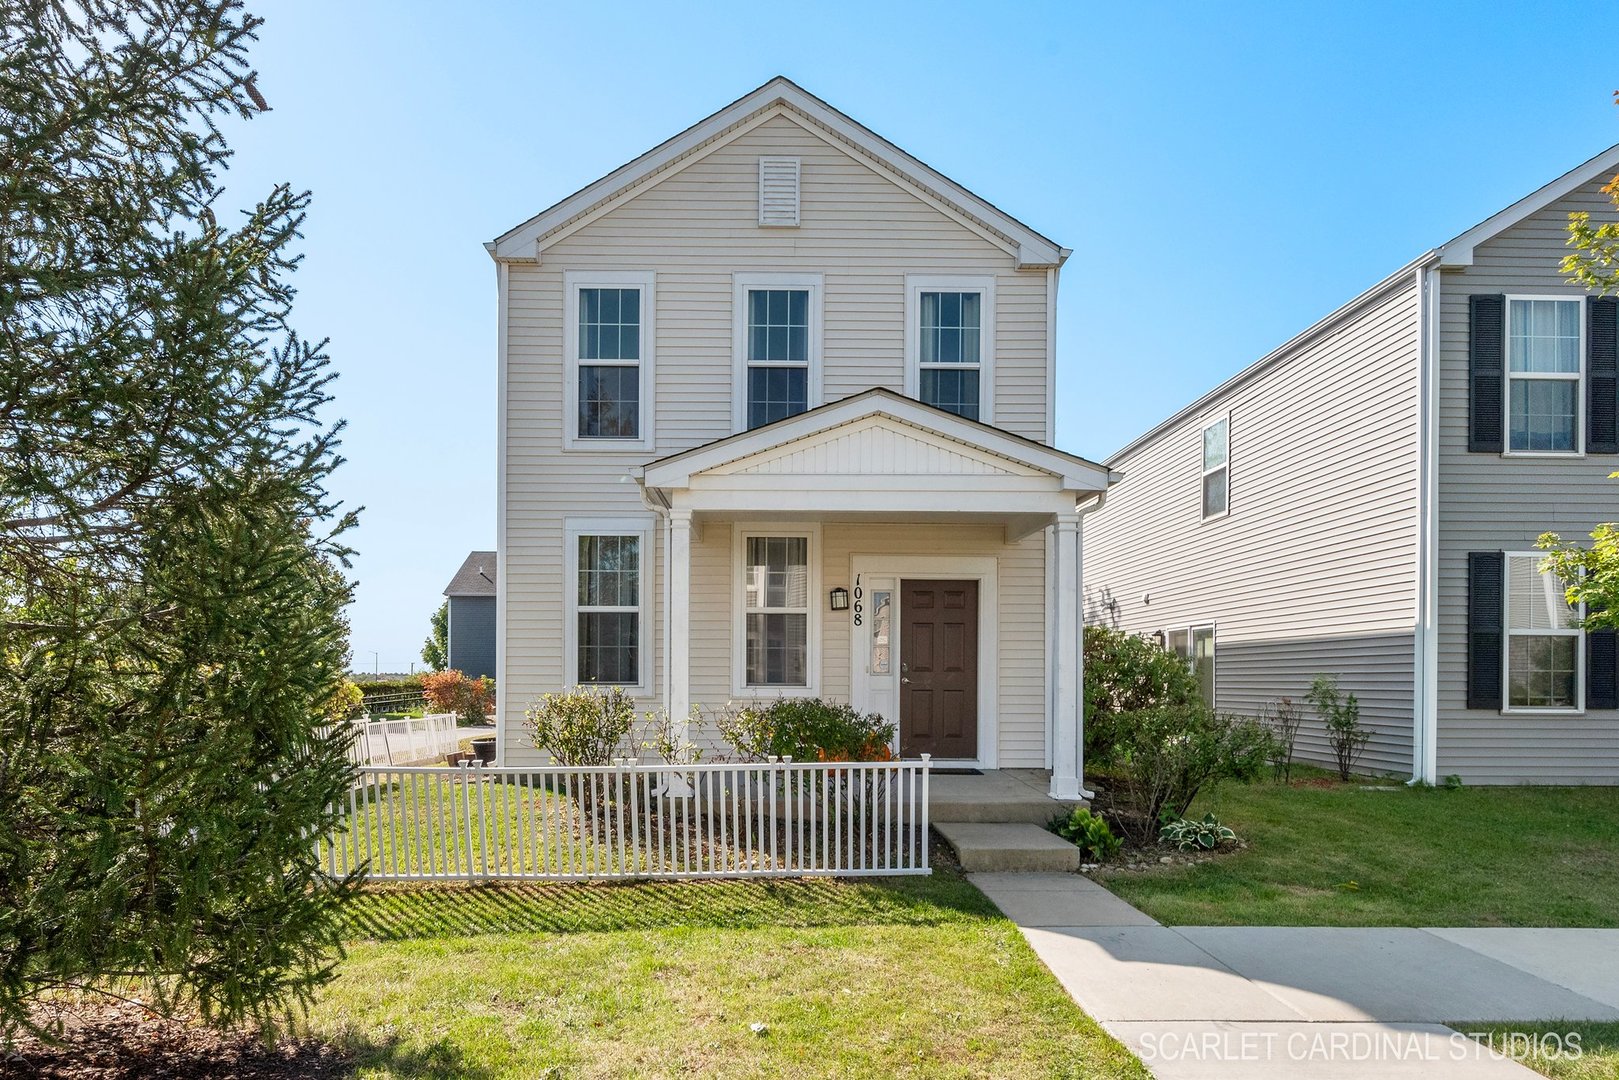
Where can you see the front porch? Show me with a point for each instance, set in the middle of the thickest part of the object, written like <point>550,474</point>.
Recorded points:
<point>898,557</point>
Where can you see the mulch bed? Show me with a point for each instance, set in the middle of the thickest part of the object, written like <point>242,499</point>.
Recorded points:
<point>122,1041</point>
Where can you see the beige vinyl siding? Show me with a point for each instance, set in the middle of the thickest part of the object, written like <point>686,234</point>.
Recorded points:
<point>860,230</point>
<point>1488,502</point>
<point>1313,569</point>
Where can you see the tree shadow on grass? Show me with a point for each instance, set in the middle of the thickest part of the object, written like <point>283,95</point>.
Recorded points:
<point>393,913</point>
<point>99,1039</point>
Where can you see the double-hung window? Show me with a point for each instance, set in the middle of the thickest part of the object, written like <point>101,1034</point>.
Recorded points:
<point>1217,467</point>
<point>608,346</point>
<point>1545,662</point>
<point>1544,368</point>
<point>951,344</point>
<point>777,611</point>
<point>607,631</point>
<point>778,329</point>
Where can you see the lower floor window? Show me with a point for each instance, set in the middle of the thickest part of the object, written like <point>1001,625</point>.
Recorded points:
<point>1545,645</point>
<point>609,610</point>
<point>1195,646</point>
<point>776,610</point>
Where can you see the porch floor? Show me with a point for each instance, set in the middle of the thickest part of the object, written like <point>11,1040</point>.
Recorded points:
<point>998,796</point>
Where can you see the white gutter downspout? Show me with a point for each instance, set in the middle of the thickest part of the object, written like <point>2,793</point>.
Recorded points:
<point>1079,584</point>
<point>1425,688</point>
<point>659,506</point>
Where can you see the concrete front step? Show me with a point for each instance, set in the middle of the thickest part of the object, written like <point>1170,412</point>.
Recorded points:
<point>1008,846</point>
<point>1035,811</point>
<point>1004,795</point>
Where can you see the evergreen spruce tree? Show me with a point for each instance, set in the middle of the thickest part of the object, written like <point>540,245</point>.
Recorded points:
<point>171,566</point>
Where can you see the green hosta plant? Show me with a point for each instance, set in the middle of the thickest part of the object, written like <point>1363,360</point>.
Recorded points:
<point>1189,835</point>
<point>1088,832</point>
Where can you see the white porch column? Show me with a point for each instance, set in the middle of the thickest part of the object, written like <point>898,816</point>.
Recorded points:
<point>1066,658</point>
<point>679,622</point>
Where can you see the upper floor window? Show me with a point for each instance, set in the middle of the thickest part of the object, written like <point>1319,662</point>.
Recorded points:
<point>1545,646</point>
<point>1544,368</point>
<point>1217,467</point>
<point>950,344</point>
<point>777,348</point>
<point>608,332</point>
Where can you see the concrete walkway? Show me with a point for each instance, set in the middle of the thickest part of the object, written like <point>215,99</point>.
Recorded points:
<point>1304,1002</point>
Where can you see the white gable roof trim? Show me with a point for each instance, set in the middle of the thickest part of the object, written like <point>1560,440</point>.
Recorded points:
<point>945,444</point>
<point>1459,251</point>
<point>1455,252</point>
<point>779,96</point>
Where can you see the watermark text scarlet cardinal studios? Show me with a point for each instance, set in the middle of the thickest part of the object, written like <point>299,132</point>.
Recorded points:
<point>1370,1045</point>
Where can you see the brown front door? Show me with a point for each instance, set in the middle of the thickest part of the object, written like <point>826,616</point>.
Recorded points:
<point>938,669</point>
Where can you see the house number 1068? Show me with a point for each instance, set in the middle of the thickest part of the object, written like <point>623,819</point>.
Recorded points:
<point>859,607</point>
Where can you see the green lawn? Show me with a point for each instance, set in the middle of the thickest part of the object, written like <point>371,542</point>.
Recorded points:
<point>1385,855</point>
<point>892,977</point>
<point>1598,1046</point>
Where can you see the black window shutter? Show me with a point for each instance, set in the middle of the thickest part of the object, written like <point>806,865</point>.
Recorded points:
<point>1601,666</point>
<point>1602,374</point>
<point>1486,330</point>
<point>1485,570</point>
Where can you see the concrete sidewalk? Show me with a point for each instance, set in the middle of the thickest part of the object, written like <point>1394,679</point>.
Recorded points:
<point>1306,1002</point>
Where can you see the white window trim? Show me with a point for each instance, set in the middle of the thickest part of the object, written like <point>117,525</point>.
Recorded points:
<point>1507,708</point>
<point>1508,376</point>
<point>1204,474</point>
<point>915,286</point>
<point>575,527</point>
<point>572,282</point>
<point>741,283</point>
<point>739,610</point>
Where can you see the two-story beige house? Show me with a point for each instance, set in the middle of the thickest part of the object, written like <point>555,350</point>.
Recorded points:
<point>776,419</point>
<point>1365,501</point>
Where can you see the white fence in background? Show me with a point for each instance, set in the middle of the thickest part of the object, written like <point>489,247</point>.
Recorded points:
<point>628,820</point>
<point>390,742</point>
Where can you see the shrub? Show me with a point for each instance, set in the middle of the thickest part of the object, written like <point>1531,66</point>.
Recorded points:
<point>1087,831</point>
<point>671,742</point>
<point>805,729</point>
<point>1341,714</point>
<point>1165,757</point>
<point>453,692</point>
<point>1283,718</point>
<point>343,702</point>
<point>1126,674</point>
<point>586,725</point>
<point>1189,835</point>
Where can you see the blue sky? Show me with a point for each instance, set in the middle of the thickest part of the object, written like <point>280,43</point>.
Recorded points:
<point>1225,173</point>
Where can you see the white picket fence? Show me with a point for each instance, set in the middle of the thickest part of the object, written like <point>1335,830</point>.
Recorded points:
<point>389,742</point>
<point>628,820</point>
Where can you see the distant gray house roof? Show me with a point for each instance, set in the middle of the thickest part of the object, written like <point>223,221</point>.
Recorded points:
<point>476,576</point>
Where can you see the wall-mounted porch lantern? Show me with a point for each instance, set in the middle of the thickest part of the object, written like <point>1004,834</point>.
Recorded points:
<point>840,599</point>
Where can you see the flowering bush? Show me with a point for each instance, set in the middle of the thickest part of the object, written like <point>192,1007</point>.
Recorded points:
<point>587,725</point>
<point>451,691</point>
<point>806,729</point>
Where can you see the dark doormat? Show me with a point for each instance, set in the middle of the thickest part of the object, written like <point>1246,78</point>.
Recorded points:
<point>957,772</point>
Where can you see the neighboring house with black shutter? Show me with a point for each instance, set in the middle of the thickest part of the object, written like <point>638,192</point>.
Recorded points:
<point>776,419</point>
<point>471,596</point>
<point>1365,501</point>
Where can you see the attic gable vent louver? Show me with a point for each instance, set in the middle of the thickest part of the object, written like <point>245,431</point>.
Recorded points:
<point>778,191</point>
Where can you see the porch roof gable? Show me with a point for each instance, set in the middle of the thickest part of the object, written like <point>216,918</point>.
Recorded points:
<point>879,434</point>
